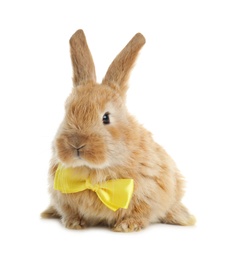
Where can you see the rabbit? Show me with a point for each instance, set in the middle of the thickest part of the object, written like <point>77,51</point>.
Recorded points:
<point>101,140</point>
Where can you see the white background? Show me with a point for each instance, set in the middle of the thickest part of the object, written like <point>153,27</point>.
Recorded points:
<point>178,90</point>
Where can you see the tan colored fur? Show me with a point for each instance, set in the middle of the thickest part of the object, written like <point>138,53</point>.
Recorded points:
<point>121,149</point>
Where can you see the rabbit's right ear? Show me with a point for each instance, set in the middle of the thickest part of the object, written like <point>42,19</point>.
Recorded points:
<point>82,61</point>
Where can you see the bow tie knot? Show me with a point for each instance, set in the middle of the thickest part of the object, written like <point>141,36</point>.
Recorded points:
<point>90,186</point>
<point>114,194</point>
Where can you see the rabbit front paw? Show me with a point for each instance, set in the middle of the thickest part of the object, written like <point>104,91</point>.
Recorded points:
<point>73,223</point>
<point>129,225</point>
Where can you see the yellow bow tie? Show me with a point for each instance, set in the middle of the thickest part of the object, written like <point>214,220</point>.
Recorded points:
<point>114,194</point>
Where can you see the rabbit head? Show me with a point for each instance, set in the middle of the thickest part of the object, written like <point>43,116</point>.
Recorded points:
<point>95,130</point>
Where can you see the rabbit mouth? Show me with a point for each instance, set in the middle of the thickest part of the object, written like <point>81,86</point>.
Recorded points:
<point>79,151</point>
<point>84,154</point>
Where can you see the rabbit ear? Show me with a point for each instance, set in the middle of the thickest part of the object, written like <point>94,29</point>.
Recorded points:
<point>119,70</point>
<point>82,61</point>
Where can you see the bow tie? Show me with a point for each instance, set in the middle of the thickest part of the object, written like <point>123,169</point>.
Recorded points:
<point>114,194</point>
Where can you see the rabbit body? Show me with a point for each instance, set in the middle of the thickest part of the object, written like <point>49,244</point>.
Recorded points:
<point>118,149</point>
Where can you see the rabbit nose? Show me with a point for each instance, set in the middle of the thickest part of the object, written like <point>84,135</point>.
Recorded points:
<point>78,150</point>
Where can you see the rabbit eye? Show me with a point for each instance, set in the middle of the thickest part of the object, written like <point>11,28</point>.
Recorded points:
<point>106,119</point>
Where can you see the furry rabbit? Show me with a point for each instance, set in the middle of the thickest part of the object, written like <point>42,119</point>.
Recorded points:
<point>99,140</point>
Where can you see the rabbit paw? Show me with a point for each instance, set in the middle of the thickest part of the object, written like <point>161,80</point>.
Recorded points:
<point>128,225</point>
<point>73,223</point>
<point>50,212</point>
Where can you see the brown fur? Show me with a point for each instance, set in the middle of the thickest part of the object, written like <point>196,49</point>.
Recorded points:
<point>121,149</point>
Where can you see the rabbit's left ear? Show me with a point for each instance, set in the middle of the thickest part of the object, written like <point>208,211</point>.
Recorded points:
<point>82,61</point>
<point>119,70</point>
